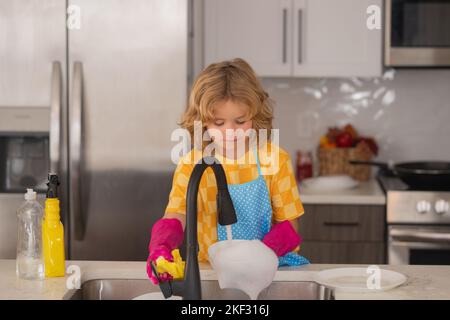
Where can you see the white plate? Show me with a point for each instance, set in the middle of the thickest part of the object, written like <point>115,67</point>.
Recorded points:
<point>155,296</point>
<point>360,279</point>
<point>328,183</point>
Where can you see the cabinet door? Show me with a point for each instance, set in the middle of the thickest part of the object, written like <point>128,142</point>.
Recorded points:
<point>258,31</point>
<point>344,252</point>
<point>354,223</point>
<point>331,39</point>
<point>32,37</point>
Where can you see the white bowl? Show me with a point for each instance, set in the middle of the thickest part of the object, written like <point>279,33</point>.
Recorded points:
<point>248,265</point>
<point>155,296</point>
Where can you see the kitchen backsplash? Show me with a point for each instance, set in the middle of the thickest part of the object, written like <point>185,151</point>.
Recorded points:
<point>406,110</point>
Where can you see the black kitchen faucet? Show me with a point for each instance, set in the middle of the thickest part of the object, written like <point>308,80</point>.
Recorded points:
<point>190,288</point>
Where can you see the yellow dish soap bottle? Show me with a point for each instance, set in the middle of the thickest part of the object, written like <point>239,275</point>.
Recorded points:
<point>53,232</point>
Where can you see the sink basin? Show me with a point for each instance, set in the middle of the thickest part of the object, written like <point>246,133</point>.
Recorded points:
<point>127,289</point>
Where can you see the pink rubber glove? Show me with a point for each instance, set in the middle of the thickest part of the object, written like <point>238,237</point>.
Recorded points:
<point>167,235</point>
<point>282,238</point>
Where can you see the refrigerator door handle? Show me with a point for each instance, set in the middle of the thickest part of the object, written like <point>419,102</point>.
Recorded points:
<point>75,136</point>
<point>55,117</point>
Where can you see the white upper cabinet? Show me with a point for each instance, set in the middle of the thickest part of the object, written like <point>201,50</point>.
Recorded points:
<point>331,39</point>
<point>300,38</point>
<point>259,31</point>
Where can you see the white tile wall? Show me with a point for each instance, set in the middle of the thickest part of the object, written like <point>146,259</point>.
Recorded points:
<point>406,110</point>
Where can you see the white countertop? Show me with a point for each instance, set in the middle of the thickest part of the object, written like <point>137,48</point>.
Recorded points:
<point>366,193</point>
<point>424,282</point>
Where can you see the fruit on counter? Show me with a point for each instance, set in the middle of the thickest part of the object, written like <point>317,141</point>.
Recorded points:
<point>347,137</point>
<point>344,140</point>
<point>332,134</point>
<point>326,143</point>
<point>370,143</point>
<point>351,130</point>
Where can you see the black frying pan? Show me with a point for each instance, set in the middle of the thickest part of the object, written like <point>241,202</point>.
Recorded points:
<point>426,175</point>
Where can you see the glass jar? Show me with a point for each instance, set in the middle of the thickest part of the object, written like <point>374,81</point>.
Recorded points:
<point>304,165</point>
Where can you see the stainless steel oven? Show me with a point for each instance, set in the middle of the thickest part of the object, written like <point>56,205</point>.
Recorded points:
<point>417,33</point>
<point>418,224</point>
<point>419,245</point>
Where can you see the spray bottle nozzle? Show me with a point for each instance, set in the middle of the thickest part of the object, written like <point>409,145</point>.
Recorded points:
<point>53,183</point>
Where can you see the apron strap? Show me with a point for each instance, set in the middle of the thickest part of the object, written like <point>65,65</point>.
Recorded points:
<point>257,161</point>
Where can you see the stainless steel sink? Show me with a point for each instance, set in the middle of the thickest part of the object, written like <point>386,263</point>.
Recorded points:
<point>126,289</point>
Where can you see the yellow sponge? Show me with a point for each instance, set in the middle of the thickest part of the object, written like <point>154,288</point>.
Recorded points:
<point>175,268</point>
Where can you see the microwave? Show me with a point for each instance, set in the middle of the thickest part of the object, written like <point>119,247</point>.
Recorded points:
<point>417,33</point>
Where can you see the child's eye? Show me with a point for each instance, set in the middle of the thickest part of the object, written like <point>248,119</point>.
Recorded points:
<point>240,121</point>
<point>218,123</point>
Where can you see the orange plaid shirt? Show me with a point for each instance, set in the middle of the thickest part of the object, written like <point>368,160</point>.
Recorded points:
<point>279,177</point>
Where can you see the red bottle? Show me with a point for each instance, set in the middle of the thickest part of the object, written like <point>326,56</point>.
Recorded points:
<point>304,165</point>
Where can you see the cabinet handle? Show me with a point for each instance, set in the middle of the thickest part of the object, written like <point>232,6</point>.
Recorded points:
<point>340,224</point>
<point>284,35</point>
<point>300,17</point>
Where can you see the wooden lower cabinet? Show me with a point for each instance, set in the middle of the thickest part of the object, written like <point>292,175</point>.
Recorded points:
<point>347,234</point>
<point>344,252</point>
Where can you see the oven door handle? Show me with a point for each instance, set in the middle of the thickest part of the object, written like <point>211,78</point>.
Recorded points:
<point>419,236</point>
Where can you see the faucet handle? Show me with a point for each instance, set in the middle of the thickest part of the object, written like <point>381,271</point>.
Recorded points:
<point>165,286</point>
<point>225,208</point>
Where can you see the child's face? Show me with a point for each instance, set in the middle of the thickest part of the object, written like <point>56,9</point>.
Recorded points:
<point>228,116</point>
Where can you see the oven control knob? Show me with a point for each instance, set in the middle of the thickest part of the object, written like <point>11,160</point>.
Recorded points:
<point>423,206</point>
<point>441,206</point>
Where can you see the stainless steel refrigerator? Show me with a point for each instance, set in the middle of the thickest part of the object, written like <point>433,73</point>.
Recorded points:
<point>113,74</point>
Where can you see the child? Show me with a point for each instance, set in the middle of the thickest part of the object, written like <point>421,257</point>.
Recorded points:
<point>226,97</point>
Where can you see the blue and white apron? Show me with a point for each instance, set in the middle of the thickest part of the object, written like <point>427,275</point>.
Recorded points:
<point>253,208</point>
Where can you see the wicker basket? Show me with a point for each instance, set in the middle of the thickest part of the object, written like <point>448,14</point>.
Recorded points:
<point>334,161</point>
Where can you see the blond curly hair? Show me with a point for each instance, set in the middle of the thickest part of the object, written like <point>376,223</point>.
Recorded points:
<point>232,79</point>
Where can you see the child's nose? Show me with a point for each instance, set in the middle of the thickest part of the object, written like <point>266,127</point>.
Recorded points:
<point>229,132</point>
